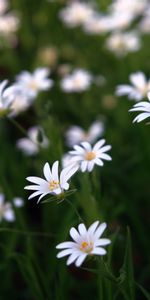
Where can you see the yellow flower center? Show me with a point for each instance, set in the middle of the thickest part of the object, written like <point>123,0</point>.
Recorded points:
<point>33,85</point>
<point>86,247</point>
<point>53,185</point>
<point>90,155</point>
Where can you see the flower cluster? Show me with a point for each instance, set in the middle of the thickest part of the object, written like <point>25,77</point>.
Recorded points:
<point>7,212</point>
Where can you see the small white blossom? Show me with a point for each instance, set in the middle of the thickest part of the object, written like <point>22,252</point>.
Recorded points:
<point>139,88</point>
<point>33,83</point>
<point>123,43</point>
<point>78,81</point>
<point>144,107</point>
<point>87,156</point>
<point>3,6</point>
<point>6,210</point>
<point>76,13</point>
<point>54,184</point>
<point>85,242</point>
<point>32,145</point>
<point>76,134</point>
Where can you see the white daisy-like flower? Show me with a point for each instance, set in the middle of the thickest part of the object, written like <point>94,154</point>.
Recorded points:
<point>5,98</point>
<point>78,81</point>
<point>139,88</point>
<point>76,13</point>
<point>85,242</point>
<point>53,183</point>
<point>32,83</point>
<point>123,43</point>
<point>144,107</point>
<point>87,156</point>
<point>6,210</point>
<point>76,134</point>
<point>31,145</point>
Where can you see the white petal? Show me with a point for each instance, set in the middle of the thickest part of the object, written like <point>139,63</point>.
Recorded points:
<point>99,251</point>
<point>93,227</point>
<point>65,245</point>
<point>55,170</point>
<point>141,117</point>
<point>105,148</point>
<point>72,258</point>
<point>9,215</point>
<point>80,259</point>
<point>82,229</point>
<point>84,165</point>
<point>47,172</point>
<point>102,242</point>
<point>36,180</point>
<point>99,231</point>
<point>34,195</point>
<point>105,156</point>
<point>90,165</point>
<point>98,145</point>
<point>75,235</point>
<point>64,253</point>
<point>86,145</point>
<point>99,162</point>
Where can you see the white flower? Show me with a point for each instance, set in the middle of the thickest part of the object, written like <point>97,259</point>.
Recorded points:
<point>76,13</point>
<point>144,24</point>
<point>85,242</point>
<point>123,43</point>
<point>78,81</point>
<point>54,184</point>
<point>6,210</point>
<point>144,107</point>
<point>5,97</point>
<point>135,7</point>
<point>32,83</point>
<point>18,202</point>
<point>20,100</point>
<point>32,145</point>
<point>97,24</point>
<point>76,135</point>
<point>3,6</point>
<point>139,88</point>
<point>87,157</point>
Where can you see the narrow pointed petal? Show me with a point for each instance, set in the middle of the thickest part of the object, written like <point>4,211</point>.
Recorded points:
<point>80,259</point>
<point>47,172</point>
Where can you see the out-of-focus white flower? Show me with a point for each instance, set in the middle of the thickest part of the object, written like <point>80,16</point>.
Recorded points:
<point>144,25</point>
<point>139,88</point>
<point>3,6</point>
<point>135,7</point>
<point>78,81</point>
<point>20,100</point>
<point>120,21</point>
<point>33,83</point>
<point>8,24</point>
<point>97,24</point>
<point>6,210</point>
<point>54,184</point>
<point>87,156</point>
<point>85,242</point>
<point>123,43</point>
<point>18,202</point>
<point>76,134</point>
<point>76,13</point>
<point>144,107</point>
<point>31,145</point>
<point>5,98</point>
